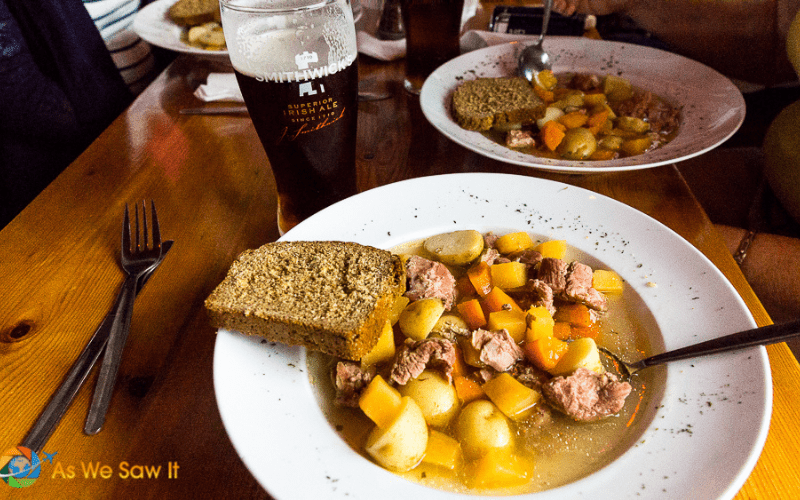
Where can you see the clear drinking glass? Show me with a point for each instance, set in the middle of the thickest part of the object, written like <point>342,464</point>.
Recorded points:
<point>296,64</point>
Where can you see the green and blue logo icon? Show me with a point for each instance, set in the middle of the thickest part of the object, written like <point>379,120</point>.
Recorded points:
<point>20,466</point>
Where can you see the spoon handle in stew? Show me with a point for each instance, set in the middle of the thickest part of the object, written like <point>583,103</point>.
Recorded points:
<point>764,335</point>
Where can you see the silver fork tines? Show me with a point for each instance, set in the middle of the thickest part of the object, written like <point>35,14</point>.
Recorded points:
<point>136,261</point>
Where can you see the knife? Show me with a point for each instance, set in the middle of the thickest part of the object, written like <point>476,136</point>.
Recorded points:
<point>62,399</point>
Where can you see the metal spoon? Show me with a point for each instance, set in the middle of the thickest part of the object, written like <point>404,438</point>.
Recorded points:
<point>533,58</point>
<point>764,335</point>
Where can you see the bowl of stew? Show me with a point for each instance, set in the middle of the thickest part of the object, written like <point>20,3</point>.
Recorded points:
<point>277,401</point>
<point>706,108</point>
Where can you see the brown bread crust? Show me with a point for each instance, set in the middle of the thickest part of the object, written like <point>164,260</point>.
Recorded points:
<point>328,296</point>
<point>194,12</point>
<point>483,103</point>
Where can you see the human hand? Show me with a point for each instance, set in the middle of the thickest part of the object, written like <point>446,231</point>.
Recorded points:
<point>595,7</point>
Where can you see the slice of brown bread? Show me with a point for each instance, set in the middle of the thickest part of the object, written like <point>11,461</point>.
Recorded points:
<point>328,296</point>
<point>194,12</point>
<point>486,102</point>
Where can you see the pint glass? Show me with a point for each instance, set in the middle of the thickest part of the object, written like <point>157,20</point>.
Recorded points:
<point>295,61</point>
<point>432,37</point>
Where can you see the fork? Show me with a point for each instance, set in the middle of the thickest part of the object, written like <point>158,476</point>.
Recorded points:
<point>135,261</point>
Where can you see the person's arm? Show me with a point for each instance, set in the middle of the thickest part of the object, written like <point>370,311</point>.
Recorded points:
<point>595,7</point>
<point>33,105</point>
<point>742,39</point>
<point>771,266</point>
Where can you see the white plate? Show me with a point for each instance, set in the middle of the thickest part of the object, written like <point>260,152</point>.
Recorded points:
<point>706,430</point>
<point>154,26</point>
<point>713,108</point>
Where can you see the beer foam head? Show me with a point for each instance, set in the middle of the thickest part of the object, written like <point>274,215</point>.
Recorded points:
<point>302,37</point>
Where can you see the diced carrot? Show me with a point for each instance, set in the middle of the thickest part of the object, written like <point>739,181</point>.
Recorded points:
<point>574,119</point>
<point>460,366</point>
<point>545,352</point>
<point>467,389</point>
<point>481,278</point>
<point>597,119</point>
<point>496,299</point>
<point>603,155</point>
<point>574,314</point>
<point>552,134</point>
<point>562,330</point>
<point>464,287</point>
<point>472,312</point>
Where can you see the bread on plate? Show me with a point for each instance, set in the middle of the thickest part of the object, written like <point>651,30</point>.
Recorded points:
<point>328,296</point>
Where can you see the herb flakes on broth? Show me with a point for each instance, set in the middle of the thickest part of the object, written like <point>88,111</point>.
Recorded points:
<point>487,379</point>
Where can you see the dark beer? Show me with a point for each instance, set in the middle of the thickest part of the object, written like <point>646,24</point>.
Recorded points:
<point>296,64</point>
<point>308,129</point>
<point>432,37</point>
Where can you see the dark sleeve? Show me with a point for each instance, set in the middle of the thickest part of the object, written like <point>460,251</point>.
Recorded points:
<point>59,89</point>
<point>33,104</point>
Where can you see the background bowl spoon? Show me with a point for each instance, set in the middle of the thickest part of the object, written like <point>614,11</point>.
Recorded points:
<point>534,58</point>
<point>764,335</point>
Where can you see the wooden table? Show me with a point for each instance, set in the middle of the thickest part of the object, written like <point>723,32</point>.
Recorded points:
<point>214,190</point>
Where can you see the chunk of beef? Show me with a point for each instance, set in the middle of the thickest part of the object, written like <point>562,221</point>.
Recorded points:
<point>587,395</point>
<point>530,257</point>
<point>662,117</point>
<point>414,357</point>
<point>490,256</point>
<point>519,139</point>
<point>579,287</point>
<point>489,239</point>
<point>529,375</point>
<point>544,293</point>
<point>554,273</point>
<point>586,82</point>
<point>497,349</point>
<point>429,279</point>
<point>350,381</point>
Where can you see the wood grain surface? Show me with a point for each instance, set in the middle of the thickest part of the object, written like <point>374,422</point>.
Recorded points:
<point>215,194</point>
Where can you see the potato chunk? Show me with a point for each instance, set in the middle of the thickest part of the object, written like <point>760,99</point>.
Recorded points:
<point>435,396</point>
<point>418,319</point>
<point>582,353</point>
<point>400,446</point>
<point>456,248</point>
<point>482,427</point>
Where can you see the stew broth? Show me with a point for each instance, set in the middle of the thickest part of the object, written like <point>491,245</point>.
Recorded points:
<point>561,450</point>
